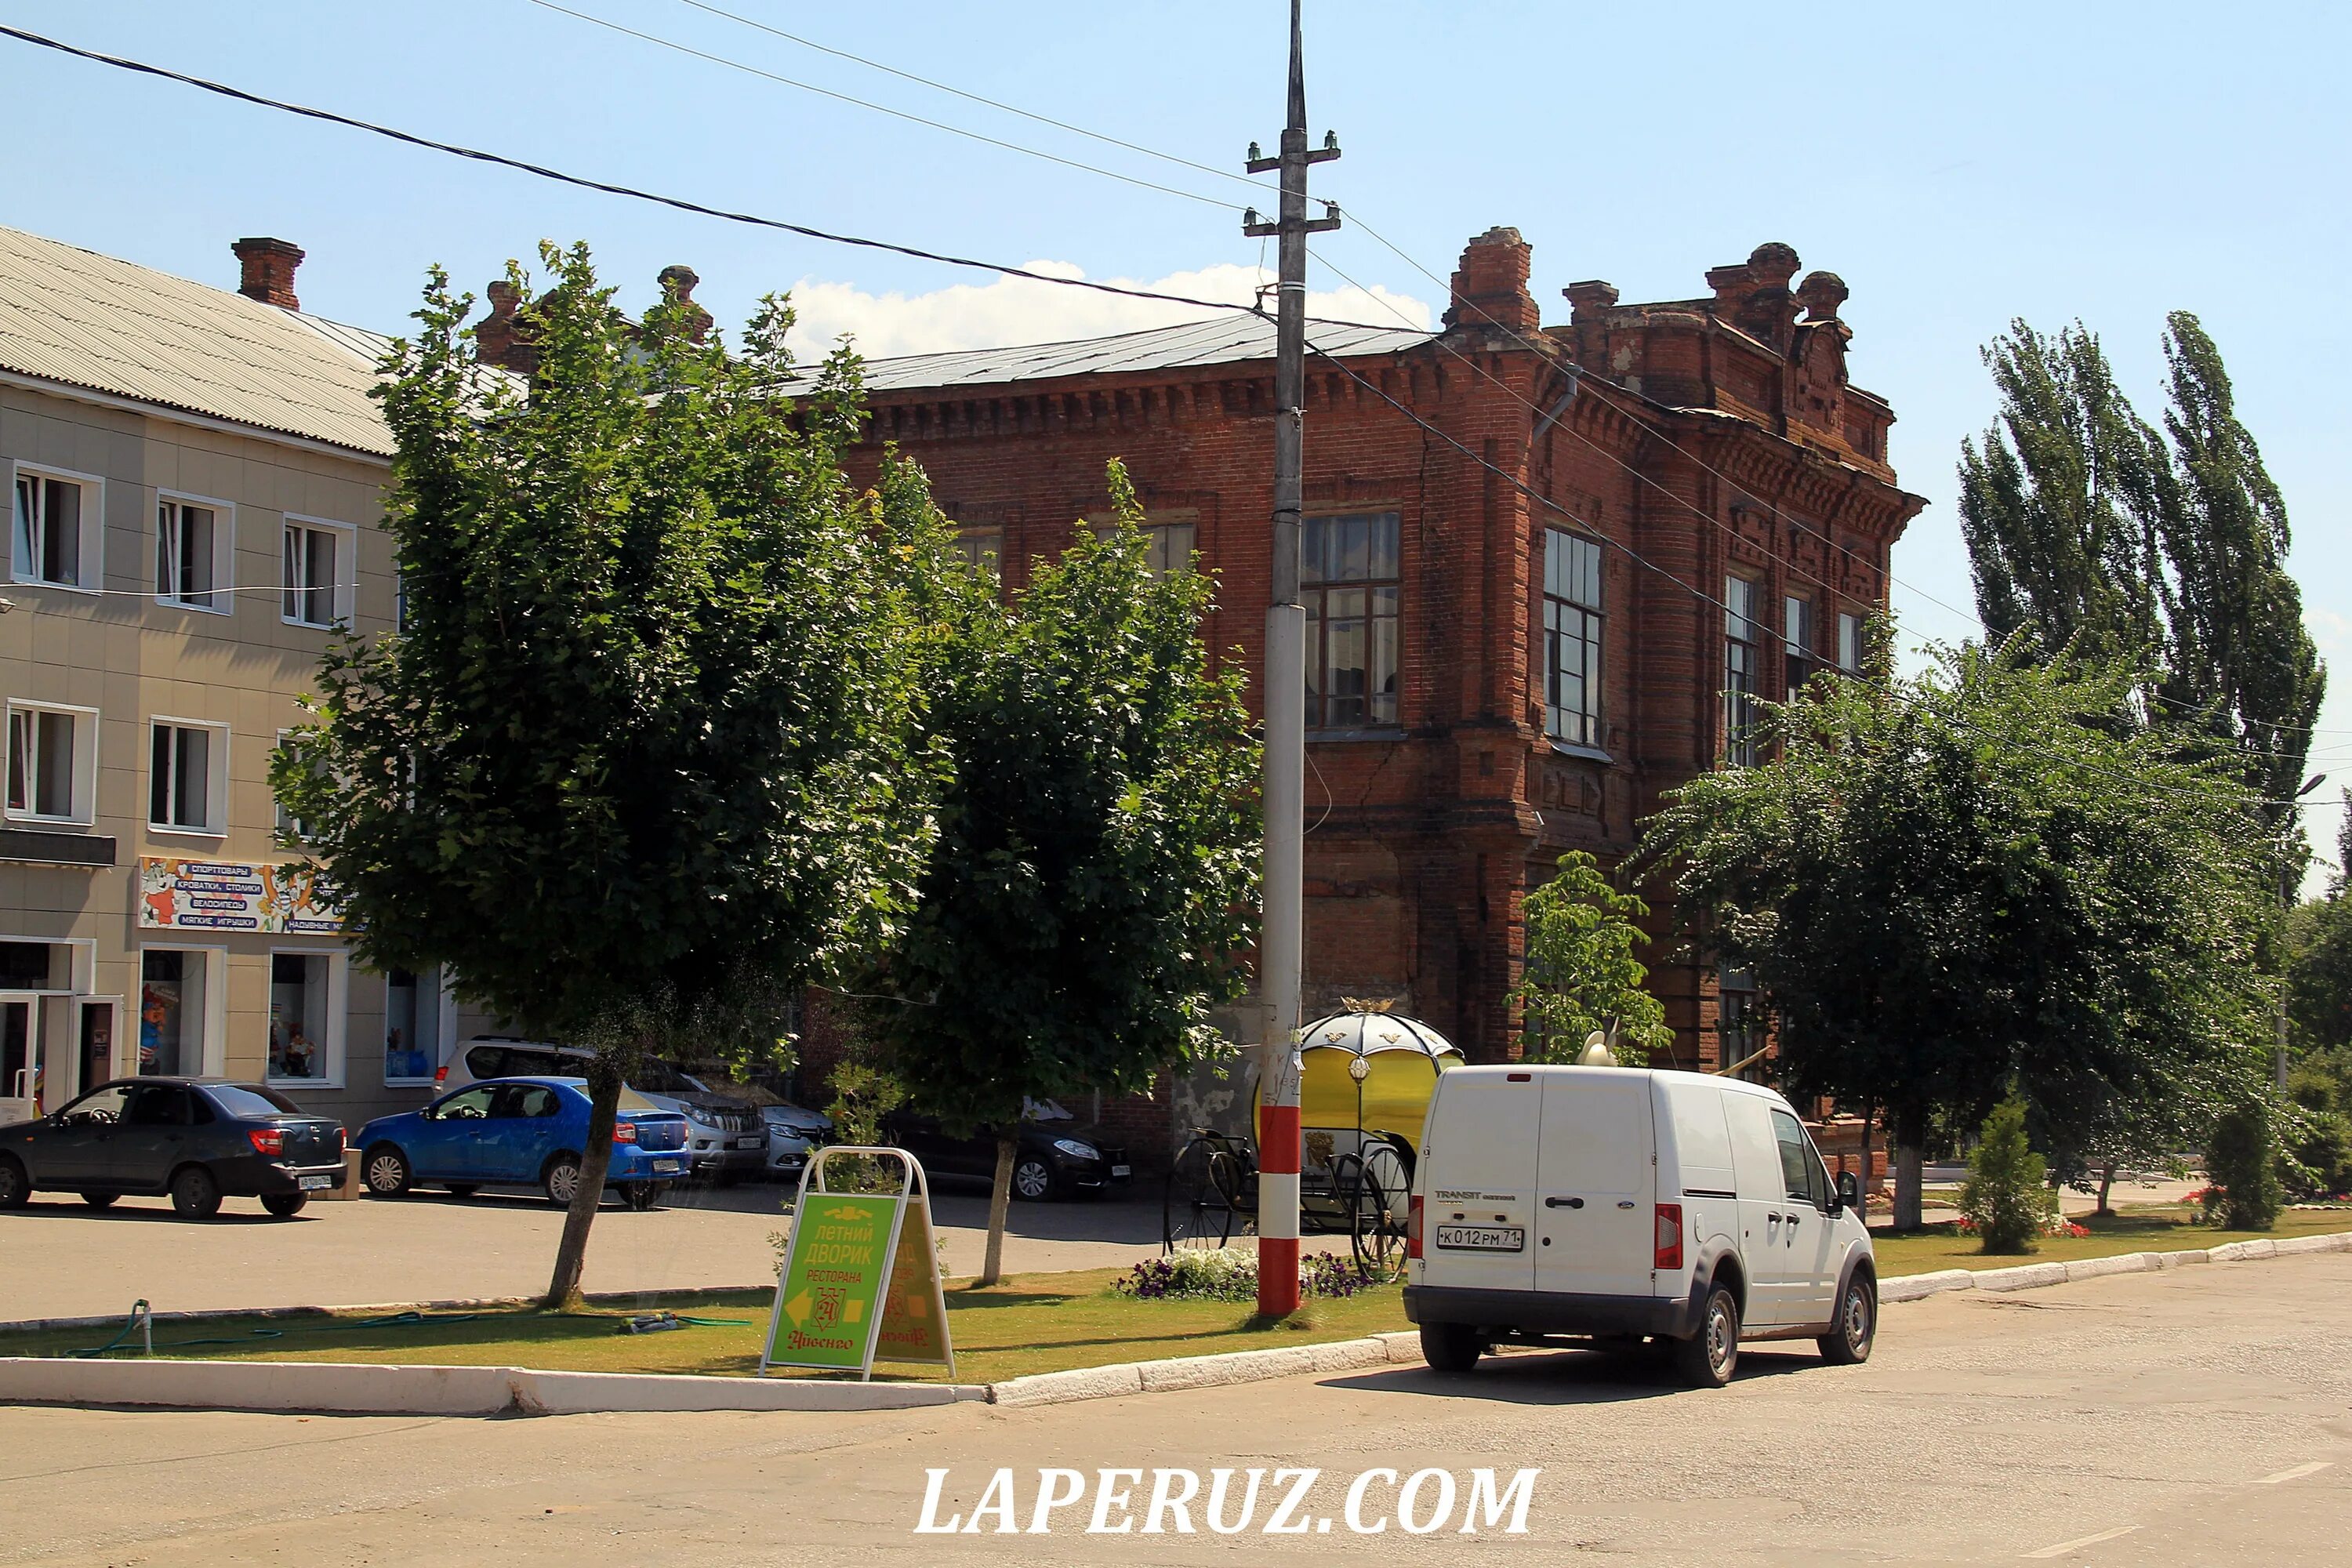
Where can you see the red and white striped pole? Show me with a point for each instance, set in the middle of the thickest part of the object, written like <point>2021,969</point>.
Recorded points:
<point>1281,944</point>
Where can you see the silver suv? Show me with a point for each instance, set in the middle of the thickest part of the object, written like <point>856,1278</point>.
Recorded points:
<point>727,1140</point>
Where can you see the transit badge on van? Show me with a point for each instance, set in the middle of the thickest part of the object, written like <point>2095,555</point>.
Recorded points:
<point>1472,1238</point>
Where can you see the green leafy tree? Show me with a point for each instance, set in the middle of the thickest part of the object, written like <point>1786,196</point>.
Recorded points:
<point>1094,875</point>
<point>644,750</point>
<point>2007,1198</point>
<point>2091,532</point>
<point>2319,962</point>
<point>1972,876</point>
<point>1581,975</point>
<point>2241,1167</point>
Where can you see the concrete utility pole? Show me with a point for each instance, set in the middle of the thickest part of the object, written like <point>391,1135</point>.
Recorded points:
<point>1281,944</point>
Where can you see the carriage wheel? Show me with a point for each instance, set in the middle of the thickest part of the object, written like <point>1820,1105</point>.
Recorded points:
<point>1379,1199</point>
<point>1198,1208</point>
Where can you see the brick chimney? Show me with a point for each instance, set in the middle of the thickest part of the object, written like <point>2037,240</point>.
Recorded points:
<point>500,338</point>
<point>1490,287</point>
<point>678,284</point>
<point>267,268</point>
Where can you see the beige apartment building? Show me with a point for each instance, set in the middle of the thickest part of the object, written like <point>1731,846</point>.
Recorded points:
<point>194,478</point>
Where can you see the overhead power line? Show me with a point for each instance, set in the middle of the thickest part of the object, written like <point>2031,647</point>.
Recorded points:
<point>748,69</point>
<point>611,188</point>
<point>983,99</point>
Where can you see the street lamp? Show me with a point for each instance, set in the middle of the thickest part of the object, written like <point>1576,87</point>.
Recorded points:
<point>2287,904</point>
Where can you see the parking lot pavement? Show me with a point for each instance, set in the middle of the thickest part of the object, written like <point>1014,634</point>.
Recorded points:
<point>66,1259</point>
<point>2191,1417</point>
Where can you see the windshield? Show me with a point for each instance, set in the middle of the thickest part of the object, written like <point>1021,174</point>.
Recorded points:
<point>1045,1111</point>
<point>660,1078</point>
<point>252,1099</point>
<point>632,1100</point>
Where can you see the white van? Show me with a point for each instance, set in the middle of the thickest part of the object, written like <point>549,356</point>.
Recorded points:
<point>1624,1205</point>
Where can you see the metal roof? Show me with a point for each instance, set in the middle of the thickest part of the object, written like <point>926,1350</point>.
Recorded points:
<point>74,317</point>
<point>1226,340</point>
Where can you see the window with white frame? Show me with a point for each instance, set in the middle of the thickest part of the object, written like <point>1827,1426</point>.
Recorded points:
<point>412,1026</point>
<point>56,529</point>
<point>191,553</point>
<point>52,763</point>
<point>1797,642</point>
<point>188,776</point>
<point>1571,637</point>
<point>306,1018</point>
<point>1348,583</point>
<point>1849,642</point>
<point>319,562</point>
<point>1739,660</point>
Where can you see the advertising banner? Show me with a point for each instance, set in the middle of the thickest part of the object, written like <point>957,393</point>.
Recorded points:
<point>861,1279</point>
<point>233,895</point>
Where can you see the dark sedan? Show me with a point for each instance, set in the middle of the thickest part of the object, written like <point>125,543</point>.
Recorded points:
<point>1053,1158</point>
<point>198,1139</point>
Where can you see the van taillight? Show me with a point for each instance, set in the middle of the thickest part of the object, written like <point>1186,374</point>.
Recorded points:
<point>1669,1238</point>
<point>1413,1229</point>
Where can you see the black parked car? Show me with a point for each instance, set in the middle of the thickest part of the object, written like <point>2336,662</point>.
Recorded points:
<point>198,1139</point>
<point>1055,1158</point>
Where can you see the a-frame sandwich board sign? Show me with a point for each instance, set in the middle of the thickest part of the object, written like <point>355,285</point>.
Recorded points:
<point>861,1277</point>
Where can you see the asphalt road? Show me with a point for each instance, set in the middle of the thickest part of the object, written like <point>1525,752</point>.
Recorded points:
<point>2197,1417</point>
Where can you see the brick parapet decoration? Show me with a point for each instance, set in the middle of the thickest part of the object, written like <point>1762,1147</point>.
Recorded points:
<point>1710,436</point>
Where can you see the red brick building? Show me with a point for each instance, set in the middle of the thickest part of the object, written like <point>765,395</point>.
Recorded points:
<point>1494,678</point>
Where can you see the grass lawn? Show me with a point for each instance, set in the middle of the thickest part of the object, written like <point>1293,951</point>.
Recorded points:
<point>1032,1322</point>
<point>2154,1228</point>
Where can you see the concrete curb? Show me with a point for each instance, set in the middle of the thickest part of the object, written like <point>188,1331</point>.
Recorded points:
<point>373,1389</point>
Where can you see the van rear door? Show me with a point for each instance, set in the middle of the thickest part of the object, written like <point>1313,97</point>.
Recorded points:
<point>1598,1183</point>
<point>1478,1172</point>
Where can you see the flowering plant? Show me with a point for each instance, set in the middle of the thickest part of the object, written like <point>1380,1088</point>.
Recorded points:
<point>1230,1274</point>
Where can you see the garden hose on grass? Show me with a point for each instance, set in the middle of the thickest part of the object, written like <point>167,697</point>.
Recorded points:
<point>142,1320</point>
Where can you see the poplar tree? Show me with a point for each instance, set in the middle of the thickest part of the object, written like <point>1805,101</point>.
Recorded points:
<point>2102,537</point>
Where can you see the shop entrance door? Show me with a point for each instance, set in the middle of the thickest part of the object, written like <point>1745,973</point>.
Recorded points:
<point>93,1042</point>
<point>20,1055</point>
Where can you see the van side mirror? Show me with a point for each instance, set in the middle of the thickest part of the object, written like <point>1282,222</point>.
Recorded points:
<point>1849,1191</point>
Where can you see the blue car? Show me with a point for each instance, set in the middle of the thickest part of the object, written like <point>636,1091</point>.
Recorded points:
<point>521,1133</point>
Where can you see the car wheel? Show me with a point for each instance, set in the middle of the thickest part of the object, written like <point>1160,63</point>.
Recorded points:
<point>100,1200</point>
<point>1032,1179</point>
<point>1708,1358</point>
<point>1451,1347</point>
<point>562,1179</point>
<point>462,1189</point>
<point>643,1195</point>
<point>16,1187</point>
<point>284,1206</point>
<point>1850,1337</point>
<point>386,1171</point>
<point>194,1194</point>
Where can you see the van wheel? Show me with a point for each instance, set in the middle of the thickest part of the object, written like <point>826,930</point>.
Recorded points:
<point>1451,1347</point>
<point>1850,1337</point>
<point>1708,1358</point>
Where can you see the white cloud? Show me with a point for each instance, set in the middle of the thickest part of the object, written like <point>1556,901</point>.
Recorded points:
<point>1010,311</point>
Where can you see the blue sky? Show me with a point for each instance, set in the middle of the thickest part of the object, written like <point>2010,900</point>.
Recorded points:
<point>1956,167</point>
